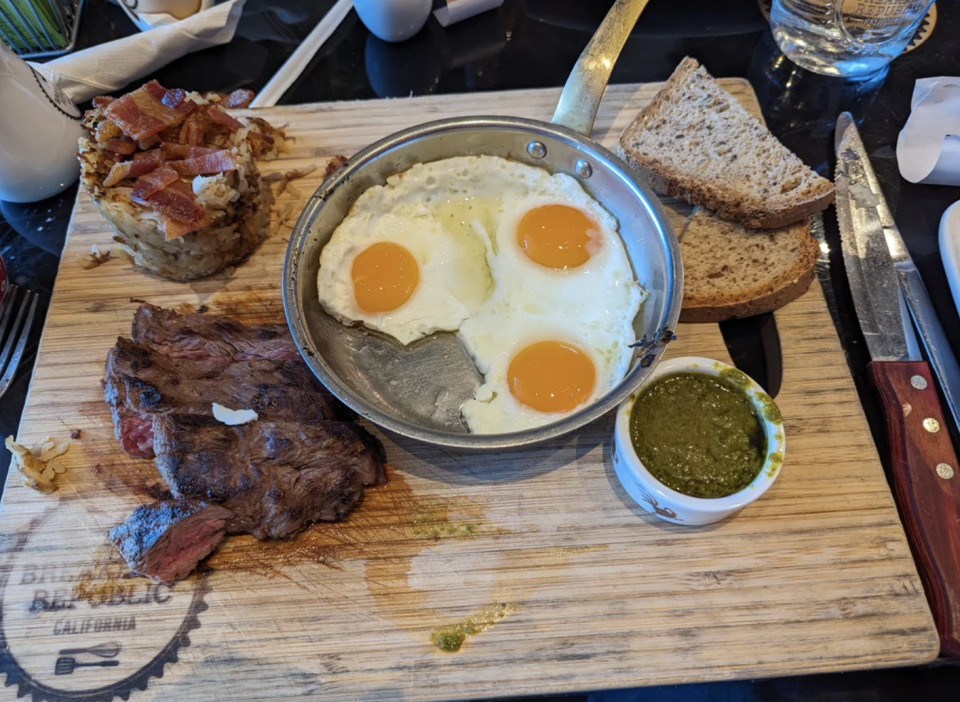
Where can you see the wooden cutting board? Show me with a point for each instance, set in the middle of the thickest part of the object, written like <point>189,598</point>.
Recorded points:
<point>557,581</point>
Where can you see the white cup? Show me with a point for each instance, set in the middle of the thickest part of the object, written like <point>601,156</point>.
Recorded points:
<point>39,128</point>
<point>178,9</point>
<point>394,20</point>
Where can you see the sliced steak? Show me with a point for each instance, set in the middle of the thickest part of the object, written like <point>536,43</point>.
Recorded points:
<point>276,477</point>
<point>134,431</point>
<point>166,540</point>
<point>203,337</point>
<point>295,464</point>
<point>187,371</point>
<point>274,389</point>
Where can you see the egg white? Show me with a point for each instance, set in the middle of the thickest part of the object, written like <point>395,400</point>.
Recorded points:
<point>454,278</point>
<point>493,342</point>
<point>459,219</point>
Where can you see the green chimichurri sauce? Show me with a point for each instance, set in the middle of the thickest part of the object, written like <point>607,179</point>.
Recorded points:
<point>698,435</point>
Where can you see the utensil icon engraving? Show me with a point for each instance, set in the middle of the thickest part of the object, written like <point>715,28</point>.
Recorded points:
<point>66,665</point>
<point>104,650</point>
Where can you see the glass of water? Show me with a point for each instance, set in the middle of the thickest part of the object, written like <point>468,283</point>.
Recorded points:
<point>848,38</point>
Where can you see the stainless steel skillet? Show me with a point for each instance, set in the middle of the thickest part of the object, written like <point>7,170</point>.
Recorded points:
<point>417,391</point>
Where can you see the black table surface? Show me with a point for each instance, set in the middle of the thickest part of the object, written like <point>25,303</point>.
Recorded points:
<point>533,44</point>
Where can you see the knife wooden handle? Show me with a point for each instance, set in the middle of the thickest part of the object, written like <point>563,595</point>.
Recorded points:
<point>926,481</point>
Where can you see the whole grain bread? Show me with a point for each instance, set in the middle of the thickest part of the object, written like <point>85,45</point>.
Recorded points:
<point>695,141</point>
<point>730,271</point>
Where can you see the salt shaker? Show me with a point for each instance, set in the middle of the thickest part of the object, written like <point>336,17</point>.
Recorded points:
<point>39,128</point>
<point>394,20</point>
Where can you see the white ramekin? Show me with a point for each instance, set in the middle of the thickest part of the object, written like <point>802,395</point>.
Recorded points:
<point>670,505</point>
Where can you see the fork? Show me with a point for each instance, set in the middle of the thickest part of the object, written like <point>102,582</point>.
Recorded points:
<point>13,348</point>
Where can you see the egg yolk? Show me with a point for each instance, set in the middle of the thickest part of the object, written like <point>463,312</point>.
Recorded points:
<point>556,236</point>
<point>551,376</point>
<point>384,277</point>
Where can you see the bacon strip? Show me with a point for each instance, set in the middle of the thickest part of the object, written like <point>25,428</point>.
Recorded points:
<point>207,164</point>
<point>127,169</point>
<point>102,100</point>
<point>176,99</point>
<point>220,117</point>
<point>120,146</point>
<point>173,229</point>
<point>141,114</point>
<point>178,210</point>
<point>239,98</point>
<point>155,89</point>
<point>151,183</point>
<point>149,142</point>
<point>155,155</point>
<point>191,133</point>
<point>178,151</point>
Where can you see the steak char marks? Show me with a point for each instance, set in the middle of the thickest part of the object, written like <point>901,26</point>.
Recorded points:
<point>185,363</point>
<point>275,477</point>
<point>205,337</point>
<point>304,459</point>
<point>141,384</point>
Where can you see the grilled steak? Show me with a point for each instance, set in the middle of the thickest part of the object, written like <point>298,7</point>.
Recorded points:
<point>209,337</point>
<point>276,477</point>
<point>140,383</point>
<point>166,540</point>
<point>302,460</point>
<point>207,359</point>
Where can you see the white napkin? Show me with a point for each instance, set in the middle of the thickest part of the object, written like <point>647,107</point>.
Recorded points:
<point>146,21</point>
<point>457,10</point>
<point>928,148</point>
<point>108,67</point>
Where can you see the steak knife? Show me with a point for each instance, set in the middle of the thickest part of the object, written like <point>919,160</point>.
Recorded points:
<point>887,292</point>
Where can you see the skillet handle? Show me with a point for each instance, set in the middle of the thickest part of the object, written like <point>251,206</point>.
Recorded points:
<point>581,95</point>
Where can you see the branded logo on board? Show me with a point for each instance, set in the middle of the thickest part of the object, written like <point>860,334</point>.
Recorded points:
<point>77,628</point>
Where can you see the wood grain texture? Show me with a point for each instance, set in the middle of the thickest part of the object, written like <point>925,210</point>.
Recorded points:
<point>566,584</point>
<point>926,478</point>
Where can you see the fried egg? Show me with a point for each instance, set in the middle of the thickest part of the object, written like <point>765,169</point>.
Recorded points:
<point>397,270</point>
<point>525,266</point>
<point>550,328</point>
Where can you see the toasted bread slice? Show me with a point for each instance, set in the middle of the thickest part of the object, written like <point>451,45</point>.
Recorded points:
<point>730,271</point>
<point>695,141</point>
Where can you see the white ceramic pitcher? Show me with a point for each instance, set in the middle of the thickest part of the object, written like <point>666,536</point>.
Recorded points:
<point>39,128</point>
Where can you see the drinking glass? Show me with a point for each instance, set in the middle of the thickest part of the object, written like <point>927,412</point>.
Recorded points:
<point>848,38</point>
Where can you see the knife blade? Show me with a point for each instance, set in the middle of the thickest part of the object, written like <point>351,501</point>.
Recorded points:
<point>862,190</point>
<point>889,297</point>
